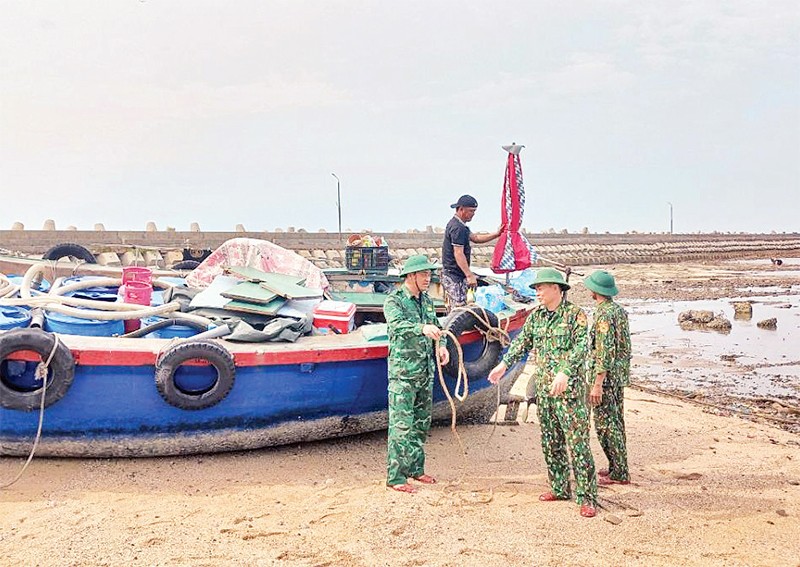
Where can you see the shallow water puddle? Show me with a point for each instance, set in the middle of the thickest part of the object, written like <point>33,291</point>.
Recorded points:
<point>747,361</point>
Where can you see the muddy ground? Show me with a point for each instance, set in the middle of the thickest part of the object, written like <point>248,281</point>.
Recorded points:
<point>713,484</point>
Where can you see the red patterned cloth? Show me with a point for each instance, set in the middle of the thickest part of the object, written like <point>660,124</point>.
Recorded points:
<point>259,254</point>
<point>513,251</point>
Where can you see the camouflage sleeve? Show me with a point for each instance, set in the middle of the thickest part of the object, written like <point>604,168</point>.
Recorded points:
<point>626,337</point>
<point>396,321</point>
<point>521,345</point>
<point>433,319</point>
<point>604,345</point>
<point>573,364</point>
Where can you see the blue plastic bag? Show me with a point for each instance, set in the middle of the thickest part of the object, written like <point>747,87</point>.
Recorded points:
<point>521,283</point>
<point>490,297</point>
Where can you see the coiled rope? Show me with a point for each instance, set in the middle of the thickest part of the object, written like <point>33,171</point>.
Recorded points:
<point>41,374</point>
<point>491,333</point>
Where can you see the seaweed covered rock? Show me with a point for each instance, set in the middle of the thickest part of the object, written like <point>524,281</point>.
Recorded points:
<point>702,319</point>
<point>771,323</point>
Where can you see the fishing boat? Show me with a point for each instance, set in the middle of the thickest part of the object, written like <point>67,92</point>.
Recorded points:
<point>121,396</point>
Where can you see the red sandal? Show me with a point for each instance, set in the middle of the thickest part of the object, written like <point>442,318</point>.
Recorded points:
<point>608,481</point>
<point>550,497</point>
<point>425,479</point>
<point>588,511</point>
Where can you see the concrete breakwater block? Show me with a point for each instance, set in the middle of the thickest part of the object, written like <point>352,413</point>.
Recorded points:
<point>742,307</point>
<point>108,259</point>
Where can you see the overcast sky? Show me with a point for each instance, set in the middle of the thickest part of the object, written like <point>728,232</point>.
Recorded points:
<point>126,111</point>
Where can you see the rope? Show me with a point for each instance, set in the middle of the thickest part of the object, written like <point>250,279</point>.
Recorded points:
<point>492,333</point>
<point>164,348</point>
<point>41,374</point>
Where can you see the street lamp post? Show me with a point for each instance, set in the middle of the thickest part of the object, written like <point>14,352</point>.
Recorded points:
<point>338,204</point>
<point>670,216</point>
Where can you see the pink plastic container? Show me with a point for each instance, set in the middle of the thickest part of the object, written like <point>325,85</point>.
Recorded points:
<point>137,274</point>
<point>139,293</point>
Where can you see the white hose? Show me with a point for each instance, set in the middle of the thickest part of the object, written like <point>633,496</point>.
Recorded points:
<point>76,286</point>
<point>27,280</point>
<point>96,304</point>
<point>9,290</point>
<point>7,287</point>
<point>57,302</point>
<point>114,315</point>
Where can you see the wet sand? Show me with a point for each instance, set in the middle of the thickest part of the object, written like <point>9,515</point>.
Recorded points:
<point>707,489</point>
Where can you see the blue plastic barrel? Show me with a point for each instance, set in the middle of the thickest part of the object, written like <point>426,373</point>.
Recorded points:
<point>13,317</point>
<point>69,325</point>
<point>98,293</point>
<point>44,285</point>
<point>182,331</point>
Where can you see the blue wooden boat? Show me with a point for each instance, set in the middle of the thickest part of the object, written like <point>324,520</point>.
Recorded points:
<point>115,404</point>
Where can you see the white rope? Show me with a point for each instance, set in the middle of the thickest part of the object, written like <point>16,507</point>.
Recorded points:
<point>41,373</point>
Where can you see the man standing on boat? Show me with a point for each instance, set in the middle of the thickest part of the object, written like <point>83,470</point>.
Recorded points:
<point>556,332</point>
<point>413,332</point>
<point>610,364</point>
<point>457,276</point>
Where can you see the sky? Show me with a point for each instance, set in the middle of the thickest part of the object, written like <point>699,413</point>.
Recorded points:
<point>222,113</point>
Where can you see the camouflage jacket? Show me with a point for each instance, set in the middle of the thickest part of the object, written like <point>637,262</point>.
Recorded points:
<point>610,341</point>
<point>411,355</point>
<point>558,341</point>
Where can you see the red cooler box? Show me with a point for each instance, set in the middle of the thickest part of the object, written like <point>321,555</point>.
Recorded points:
<point>339,315</point>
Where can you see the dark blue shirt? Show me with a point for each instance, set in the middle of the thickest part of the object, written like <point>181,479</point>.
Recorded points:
<point>456,233</point>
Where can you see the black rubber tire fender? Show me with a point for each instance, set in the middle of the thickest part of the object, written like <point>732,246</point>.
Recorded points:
<point>185,265</point>
<point>217,355</point>
<point>59,376</point>
<point>197,254</point>
<point>463,322</point>
<point>68,249</point>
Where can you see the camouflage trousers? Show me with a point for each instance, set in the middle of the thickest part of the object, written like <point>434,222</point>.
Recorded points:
<point>609,422</point>
<point>409,422</point>
<point>455,292</point>
<point>565,425</point>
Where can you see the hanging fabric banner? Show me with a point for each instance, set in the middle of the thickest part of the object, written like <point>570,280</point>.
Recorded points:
<point>513,251</point>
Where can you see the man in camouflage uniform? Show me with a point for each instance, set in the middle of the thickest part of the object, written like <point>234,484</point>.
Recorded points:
<point>556,333</point>
<point>610,370</point>
<point>413,328</point>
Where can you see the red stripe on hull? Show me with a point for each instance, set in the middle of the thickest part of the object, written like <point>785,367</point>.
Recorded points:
<point>257,355</point>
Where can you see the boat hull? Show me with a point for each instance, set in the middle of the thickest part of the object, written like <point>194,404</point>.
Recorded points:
<point>319,388</point>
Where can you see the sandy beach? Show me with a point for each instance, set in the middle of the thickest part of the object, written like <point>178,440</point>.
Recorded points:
<point>708,487</point>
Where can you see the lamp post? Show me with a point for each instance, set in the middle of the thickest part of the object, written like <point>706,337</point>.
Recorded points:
<point>670,216</point>
<point>338,204</point>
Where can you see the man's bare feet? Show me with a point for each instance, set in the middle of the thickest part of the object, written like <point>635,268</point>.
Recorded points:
<point>425,479</point>
<point>407,488</point>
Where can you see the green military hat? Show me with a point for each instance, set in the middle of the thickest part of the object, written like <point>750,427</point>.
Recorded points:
<point>602,283</point>
<point>550,275</point>
<point>417,263</point>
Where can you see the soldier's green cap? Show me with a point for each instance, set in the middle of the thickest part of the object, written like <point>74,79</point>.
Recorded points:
<point>417,263</point>
<point>550,275</point>
<point>602,283</point>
